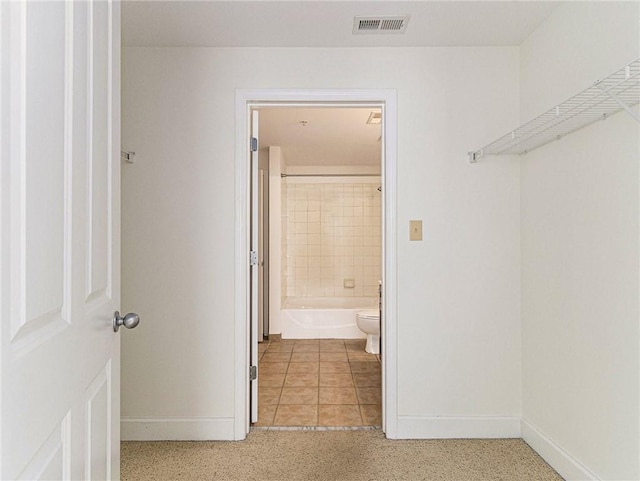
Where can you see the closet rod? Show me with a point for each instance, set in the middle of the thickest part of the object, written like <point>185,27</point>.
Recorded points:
<point>330,175</point>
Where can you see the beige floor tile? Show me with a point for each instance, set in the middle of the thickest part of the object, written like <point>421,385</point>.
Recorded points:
<point>367,379</point>
<point>355,344</point>
<point>306,348</point>
<point>369,395</point>
<point>264,367</point>
<point>332,345</point>
<point>266,414</point>
<point>358,367</point>
<point>361,356</point>
<point>335,366</point>
<point>310,367</point>
<point>337,395</point>
<point>280,347</point>
<point>271,379</point>
<point>371,414</point>
<point>268,395</point>
<point>339,415</point>
<point>276,357</point>
<point>331,379</point>
<point>305,357</point>
<point>296,415</point>
<point>312,342</point>
<point>299,395</point>
<point>301,379</point>
<point>333,356</point>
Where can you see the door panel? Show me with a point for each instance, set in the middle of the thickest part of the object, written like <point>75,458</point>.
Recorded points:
<point>52,461</point>
<point>44,163</point>
<point>100,153</point>
<point>97,442</point>
<point>39,174</point>
<point>59,239</point>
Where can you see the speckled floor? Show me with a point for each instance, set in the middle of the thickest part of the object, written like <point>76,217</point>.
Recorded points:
<point>334,456</point>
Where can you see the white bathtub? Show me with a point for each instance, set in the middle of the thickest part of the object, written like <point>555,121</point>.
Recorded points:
<point>323,317</point>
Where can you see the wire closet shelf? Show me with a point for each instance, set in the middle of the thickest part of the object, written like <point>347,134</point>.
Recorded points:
<point>619,91</point>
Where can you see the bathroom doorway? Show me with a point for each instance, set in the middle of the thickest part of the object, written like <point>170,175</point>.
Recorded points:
<point>361,183</point>
<point>318,359</point>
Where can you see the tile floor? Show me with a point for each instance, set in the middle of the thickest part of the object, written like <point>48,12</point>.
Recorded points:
<point>318,382</point>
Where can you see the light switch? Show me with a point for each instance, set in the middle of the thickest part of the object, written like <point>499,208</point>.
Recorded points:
<point>415,230</point>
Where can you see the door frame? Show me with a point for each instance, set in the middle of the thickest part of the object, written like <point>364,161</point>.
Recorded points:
<point>375,98</point>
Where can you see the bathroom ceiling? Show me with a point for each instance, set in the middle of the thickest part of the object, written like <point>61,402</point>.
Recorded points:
<point>305,23</point>
<point>330,136</point>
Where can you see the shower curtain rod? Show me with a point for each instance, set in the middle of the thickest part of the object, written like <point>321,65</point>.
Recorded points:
<point>330,175</point>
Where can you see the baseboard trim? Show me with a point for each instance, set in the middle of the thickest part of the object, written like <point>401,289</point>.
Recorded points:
<point>445,427</point>
<point>177,429</point>
<point>564,463</point>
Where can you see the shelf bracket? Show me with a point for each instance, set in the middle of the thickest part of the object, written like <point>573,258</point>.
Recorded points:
<point>475,156</point>
<point>617,100</point>
<point>128,157</point>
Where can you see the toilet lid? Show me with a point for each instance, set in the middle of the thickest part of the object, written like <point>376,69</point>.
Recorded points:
<point>369,314</point>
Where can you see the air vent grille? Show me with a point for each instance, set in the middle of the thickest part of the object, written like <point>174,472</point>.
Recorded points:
<point>369,24</point>
<point>380,25</point>
<point>394,24</point>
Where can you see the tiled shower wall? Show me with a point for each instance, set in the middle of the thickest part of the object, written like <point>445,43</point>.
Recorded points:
<point>333,235</point>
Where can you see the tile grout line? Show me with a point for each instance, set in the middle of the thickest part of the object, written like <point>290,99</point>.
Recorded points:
<point>275,413</point>
<point>355,388</point>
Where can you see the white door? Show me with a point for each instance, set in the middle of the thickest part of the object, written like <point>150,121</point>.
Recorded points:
<point>59,239</point>
<point>254,271</point>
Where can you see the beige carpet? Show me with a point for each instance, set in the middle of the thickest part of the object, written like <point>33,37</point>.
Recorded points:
<point>333,456</point>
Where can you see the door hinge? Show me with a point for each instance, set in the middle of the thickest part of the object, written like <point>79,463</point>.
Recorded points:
<point>253,373</point>
<point>253,258</point>
<point>254,144</point>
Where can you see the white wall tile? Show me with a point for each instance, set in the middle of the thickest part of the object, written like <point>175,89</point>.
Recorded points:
<point>333,233</point>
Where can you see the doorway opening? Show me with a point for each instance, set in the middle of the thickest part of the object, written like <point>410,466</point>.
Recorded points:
<point>319,266</point>
<point>291,199</point>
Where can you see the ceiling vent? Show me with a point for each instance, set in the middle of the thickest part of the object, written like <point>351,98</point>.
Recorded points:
<point>386,24</point>
<point>375,118</point>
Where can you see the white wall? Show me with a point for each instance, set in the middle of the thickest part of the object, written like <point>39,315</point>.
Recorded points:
<point>580,253</point>
<point>458,319</point>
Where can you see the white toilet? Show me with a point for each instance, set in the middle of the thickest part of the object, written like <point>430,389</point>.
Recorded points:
<point>369,322</point>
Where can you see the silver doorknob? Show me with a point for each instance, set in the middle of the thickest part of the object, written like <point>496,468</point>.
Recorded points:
<point>129,321</point>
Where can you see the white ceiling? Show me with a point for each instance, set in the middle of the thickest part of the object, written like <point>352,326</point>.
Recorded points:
<point>332,136</point>
<point>305,23</point>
